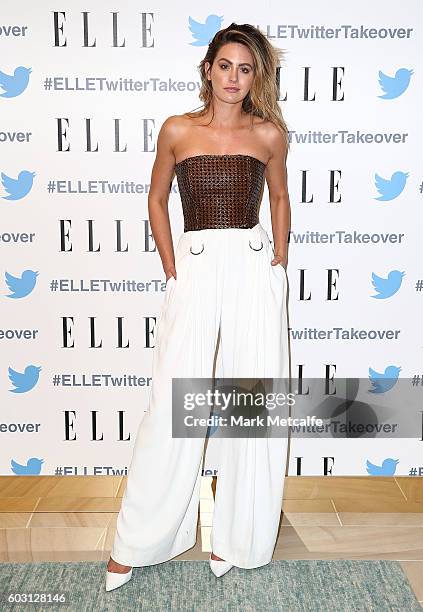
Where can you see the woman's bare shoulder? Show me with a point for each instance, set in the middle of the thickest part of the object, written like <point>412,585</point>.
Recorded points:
<point>175,122</point>
<point>269,135</point>
<point>177,130</point>
<point>175,127</point>
<point>266,126</point>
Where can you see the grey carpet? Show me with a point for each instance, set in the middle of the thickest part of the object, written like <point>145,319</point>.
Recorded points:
<point>291,586</point>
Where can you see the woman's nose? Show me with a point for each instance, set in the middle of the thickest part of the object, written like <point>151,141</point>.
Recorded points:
<point>234,75</point>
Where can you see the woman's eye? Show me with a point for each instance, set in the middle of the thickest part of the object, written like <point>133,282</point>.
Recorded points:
<point>244,70</point>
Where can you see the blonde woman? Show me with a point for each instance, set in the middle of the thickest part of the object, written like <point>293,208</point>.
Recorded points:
<point>225,281</point>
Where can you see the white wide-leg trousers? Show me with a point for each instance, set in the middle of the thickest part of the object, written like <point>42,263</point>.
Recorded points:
<point>224,280</point>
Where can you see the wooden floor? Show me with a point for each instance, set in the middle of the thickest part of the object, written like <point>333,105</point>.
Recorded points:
<point>59,518</point>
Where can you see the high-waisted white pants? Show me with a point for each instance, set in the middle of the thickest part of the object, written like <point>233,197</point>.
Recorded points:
<point>224,279</point>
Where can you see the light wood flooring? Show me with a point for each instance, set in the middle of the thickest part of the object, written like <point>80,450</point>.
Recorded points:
<point>59,518</point>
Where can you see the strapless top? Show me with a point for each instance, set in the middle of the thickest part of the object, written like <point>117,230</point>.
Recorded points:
<point>220,191</point>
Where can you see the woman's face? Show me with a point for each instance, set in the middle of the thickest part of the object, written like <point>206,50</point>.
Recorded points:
<point>232,73</point>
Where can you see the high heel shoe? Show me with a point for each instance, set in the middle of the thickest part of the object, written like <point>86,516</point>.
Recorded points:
<point>115,580</point>
<point>219,567</point>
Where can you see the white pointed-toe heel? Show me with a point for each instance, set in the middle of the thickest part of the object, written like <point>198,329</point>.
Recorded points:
<point>115,580</point>
<point>219,567</point>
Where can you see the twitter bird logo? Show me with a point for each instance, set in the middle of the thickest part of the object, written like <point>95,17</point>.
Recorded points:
<point>394,86</point>
<point>204,32</point>
<point>390,189</point>
<point>21,287</point>
<point>386,287</point>
<point>24,381</point>
<point>387,468</point>
<point>383,382</point>
<point>14,85</point>
<point>32,467</point>
<point>17,188</point>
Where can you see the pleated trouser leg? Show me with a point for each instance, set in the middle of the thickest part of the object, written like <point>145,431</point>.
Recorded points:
<point>224,279</point>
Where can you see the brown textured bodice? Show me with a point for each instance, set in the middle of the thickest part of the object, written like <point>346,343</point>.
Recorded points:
<point>219,191</point>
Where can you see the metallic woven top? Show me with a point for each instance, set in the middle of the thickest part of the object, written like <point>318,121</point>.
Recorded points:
<point>220,191</point>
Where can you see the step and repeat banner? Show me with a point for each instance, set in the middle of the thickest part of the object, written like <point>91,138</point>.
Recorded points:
<point>84,90</point>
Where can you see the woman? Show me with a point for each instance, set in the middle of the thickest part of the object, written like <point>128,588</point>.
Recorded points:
<point>225,282</point>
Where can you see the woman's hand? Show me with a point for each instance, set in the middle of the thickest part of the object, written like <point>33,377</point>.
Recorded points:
<point>170,272</point>
<point>278,259</point>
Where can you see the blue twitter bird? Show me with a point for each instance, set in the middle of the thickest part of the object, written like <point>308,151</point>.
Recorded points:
<point>383,382</point>
<point>386,287</point>
<point>32,467</point>
<point>204,32</point>
<point>15,84</point>
<point>394,86</point>
<point>390,188</point>
<point>26,380</point>
<point>17,188</point>
<point>387,468</point>
<point>21,287</point>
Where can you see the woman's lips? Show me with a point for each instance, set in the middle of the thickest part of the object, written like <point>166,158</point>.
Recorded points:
<point>232,89</point>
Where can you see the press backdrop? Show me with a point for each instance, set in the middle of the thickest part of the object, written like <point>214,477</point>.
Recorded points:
<point>85,87</point>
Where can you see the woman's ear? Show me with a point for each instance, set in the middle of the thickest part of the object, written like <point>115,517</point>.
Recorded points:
<point>207,70</point>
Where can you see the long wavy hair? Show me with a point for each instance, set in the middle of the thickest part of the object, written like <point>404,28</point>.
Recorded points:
<point>262,99</point>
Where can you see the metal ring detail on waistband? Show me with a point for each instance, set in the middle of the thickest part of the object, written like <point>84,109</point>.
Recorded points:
<point>190,248</point>
<point>249,242</point>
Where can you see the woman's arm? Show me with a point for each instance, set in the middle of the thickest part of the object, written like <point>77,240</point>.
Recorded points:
<point>276,177</point>
<point>158,197</point>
